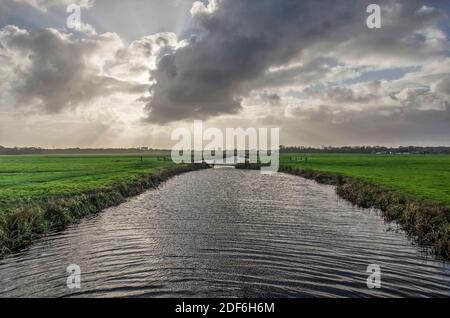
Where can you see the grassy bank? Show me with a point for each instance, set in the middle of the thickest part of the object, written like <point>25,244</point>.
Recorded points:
<point>39,194</point>
<point>412,190</point>
<point>422,176</point>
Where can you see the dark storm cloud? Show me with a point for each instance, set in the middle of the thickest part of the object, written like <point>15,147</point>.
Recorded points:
<point>443,86</point>
<point>390,125</point>
<point>408,116</point>
<point>4,11</point>
<point>271,99</point>
<point>242,40</point>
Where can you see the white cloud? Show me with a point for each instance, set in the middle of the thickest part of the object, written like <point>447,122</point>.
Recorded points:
<point>50,70</point>
<point>44,5</point>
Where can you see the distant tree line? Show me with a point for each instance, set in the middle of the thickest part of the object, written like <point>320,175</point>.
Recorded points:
<point>283,149</point>
<point>367,150</point>
<point>68,151</point>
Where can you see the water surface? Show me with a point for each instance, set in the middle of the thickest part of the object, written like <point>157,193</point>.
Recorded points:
<point>226,232</point>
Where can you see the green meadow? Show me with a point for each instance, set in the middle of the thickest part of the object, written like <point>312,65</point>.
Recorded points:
<point>30,178</point>
<point>40,193</point>
<point>421,176</point>
<point>24,179</point>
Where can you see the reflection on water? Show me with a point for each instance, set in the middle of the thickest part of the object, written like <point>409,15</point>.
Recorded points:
<point>226,232</point>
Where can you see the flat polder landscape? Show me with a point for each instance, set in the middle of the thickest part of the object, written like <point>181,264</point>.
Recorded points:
<point>41,193</point>
<point>32,178</point>
<point>28,178</point>
<point>144,226</point>
<point>423,176</point>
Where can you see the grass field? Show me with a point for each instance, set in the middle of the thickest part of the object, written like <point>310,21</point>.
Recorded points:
<point>422,176</point>
<point>30,178</point>
<point>40,194</point>
<point>43,193</point>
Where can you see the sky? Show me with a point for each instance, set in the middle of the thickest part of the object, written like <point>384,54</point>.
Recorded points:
<point>138,69</point>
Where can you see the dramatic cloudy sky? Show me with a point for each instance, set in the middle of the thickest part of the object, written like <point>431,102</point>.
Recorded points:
<point>139,68</point>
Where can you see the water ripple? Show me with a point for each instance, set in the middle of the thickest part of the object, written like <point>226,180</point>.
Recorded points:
<point>225,232</point>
